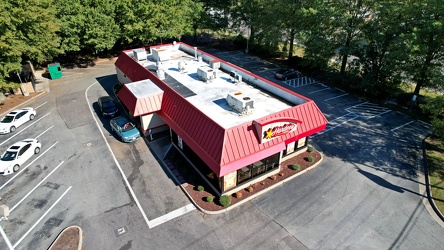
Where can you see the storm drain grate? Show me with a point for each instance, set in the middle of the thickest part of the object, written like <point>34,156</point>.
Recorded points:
<point>121,231</point>
<point>52,185</point>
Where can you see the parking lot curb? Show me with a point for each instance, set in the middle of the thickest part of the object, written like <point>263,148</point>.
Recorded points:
<point>23,103</point>
<point>59,238</point>
<point>237,204</point>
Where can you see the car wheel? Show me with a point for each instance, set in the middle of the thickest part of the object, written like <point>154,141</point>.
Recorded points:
<point>36,150</point>
<point>12,129</point>
<point>16,168</point>
<point>31,117</point>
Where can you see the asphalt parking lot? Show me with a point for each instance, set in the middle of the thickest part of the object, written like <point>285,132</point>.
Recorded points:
<point>367,192</point>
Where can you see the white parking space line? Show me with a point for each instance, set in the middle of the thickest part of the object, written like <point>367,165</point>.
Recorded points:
<point>40,105</point>
<point>368,110</point>
<point>331,98</point>
<point>115,159</point>
<point>23,129</point>
<point>36,186</point>
<point>158,220</point>
<point>44,132</point>
<point>427,124</point>
<point>171,215</point>
<point>319,90</point>
<point>405,124</point>
<point>23,169</point>
<point>41,218</point>
<point>337,122</point>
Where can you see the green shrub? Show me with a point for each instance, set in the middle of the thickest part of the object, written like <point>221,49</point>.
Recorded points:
<point>310,159</point>
<point>310,149</point>
<point>225,200</point>
<point>295,167</point>
<point>200,188</point>
<point>209,198</point>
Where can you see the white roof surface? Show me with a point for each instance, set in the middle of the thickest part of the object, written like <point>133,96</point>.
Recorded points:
<point>211,97</point>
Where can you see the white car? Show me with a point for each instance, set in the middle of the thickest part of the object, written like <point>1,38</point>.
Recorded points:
<point>17,154</point>
<point>16,118</point>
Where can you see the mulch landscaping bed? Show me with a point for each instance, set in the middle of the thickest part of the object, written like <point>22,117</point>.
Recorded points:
<point>199,197</point>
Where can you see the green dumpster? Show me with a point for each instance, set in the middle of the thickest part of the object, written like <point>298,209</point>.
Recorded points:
<point>55,71</point>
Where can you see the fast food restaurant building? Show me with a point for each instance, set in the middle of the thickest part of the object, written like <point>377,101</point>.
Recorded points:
<point>233,126</point>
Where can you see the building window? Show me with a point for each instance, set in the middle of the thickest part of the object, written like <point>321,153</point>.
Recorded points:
<point>258,168</point>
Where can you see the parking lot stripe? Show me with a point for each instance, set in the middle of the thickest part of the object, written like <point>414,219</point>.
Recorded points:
<point>316,91</point>
<point>44,132</point>
<point>426,123</point>
<point>331,98</point>
<point>401,126</point>
<point>40,105</point>
<point>171,215</point>
<point>23,169</point>
<point>36,186</point>
<point>23,129</point>
<point>41,218</point>
<point>128,185</point>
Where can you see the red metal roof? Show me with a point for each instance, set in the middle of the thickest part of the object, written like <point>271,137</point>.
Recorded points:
<point>140,105</point>
<point>224,151</point>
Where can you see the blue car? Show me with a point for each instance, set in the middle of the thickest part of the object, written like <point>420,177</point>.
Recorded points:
<point>125,129</point>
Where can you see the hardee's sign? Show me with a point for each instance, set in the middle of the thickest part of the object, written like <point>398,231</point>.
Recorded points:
<point>272,129</point>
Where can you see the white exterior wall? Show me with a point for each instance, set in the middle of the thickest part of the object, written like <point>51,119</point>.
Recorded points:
<point>152,121</point>
<point>121,77</point>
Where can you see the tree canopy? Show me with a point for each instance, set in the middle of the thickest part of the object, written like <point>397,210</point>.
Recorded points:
<point>381,43</point>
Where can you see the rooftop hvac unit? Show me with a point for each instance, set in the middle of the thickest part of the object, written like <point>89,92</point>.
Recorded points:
<point>140,54</point>
<point>240,102</point>
<point>160,55</point>
<point>206,73</point>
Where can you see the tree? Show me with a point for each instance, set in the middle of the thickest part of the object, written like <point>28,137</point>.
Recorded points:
<point>150,20</point>
<point>435,108</point>
<point>425,45</point>
<point>383,53</point>
<point>214,16</point>
<point>87,25</point>
<point>25,35</point>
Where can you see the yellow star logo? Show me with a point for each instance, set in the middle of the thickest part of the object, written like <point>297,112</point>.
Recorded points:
<point>268,134</point>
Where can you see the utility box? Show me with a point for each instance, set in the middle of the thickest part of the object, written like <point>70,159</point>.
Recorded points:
<point>4,211</point>
<point>55,71</point>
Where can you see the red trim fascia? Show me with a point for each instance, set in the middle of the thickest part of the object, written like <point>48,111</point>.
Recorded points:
<point>215,166</point>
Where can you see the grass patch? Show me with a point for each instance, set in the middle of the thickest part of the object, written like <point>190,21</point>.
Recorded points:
<point>435,157</point>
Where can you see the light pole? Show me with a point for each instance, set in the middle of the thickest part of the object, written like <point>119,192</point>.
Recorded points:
<point>4,213</point>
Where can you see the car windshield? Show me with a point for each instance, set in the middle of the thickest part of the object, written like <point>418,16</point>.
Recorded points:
<point>7,119</point>
<point>127,126</point>
<point>108,104</point>
<point>8,156</point>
